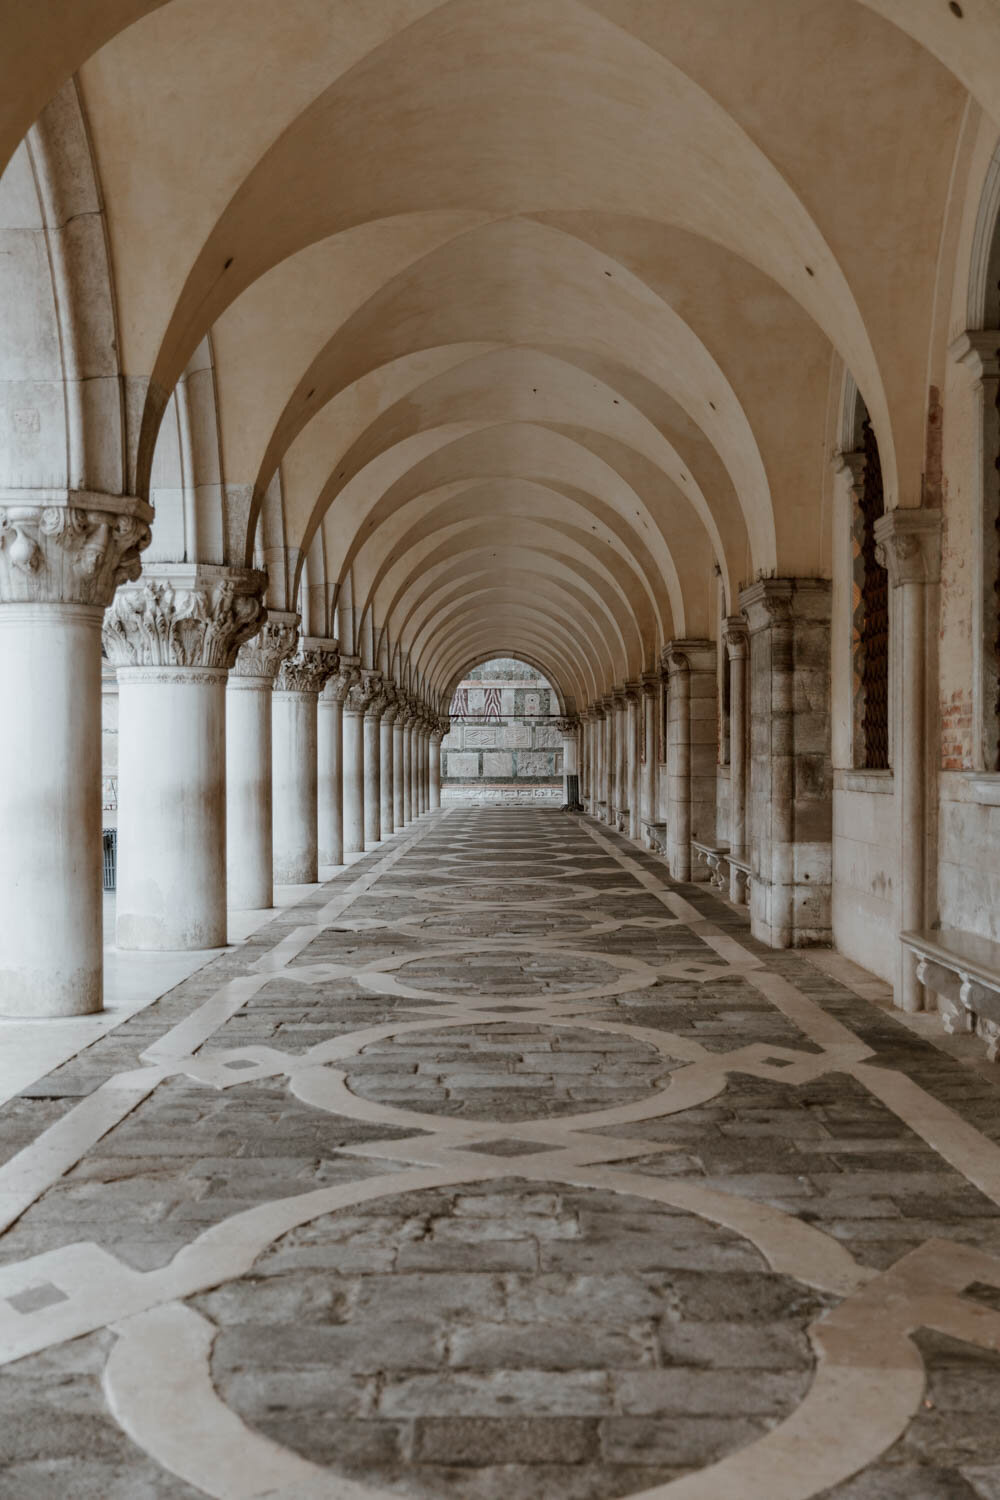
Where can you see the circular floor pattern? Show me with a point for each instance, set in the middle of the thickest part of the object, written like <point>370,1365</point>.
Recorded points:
<point>511,972</point>
<point>508,1072</point>
<point>511,1339</point>
<point>504,893</point>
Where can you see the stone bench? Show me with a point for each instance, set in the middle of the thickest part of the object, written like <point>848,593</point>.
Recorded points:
<point>728,872</point>
<point>716,857</point>
<point>655,835</point>
<point>963,970</point>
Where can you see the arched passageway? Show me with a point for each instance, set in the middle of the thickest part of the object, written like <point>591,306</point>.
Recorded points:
<point>344,349</point>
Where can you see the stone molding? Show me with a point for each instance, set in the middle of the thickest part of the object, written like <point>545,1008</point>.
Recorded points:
<point>978,349</point>
<point>736,634</point>
<point>261,657</point>
<point>650,684</point>
<point>76,548</point>
<point>308,670</point>
<point>908,544</point>
<point>185,615</point>
<point>633,691</point>
<point>774,601</point>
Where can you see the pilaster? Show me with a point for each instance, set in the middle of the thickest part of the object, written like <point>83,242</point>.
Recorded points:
<point>692,749</point>
<point>908,544</point>
<point>790,797</point>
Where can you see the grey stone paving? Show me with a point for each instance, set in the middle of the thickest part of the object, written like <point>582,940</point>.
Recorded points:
<point>525,1327</point>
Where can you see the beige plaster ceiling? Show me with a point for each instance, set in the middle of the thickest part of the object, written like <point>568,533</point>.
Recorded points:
<point>518,326</point>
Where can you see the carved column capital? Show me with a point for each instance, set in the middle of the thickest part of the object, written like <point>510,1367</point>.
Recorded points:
<point>908,544</point>
<point>381,698</point>
<point>567,725</point>
<point>69,547</point>
<point>310,667</point>
<point>364,689</point>
<point>736,634</point>
<point>767,602</point>
<point>650,684</point>
<point>262,655</point>
<point>693,655</point>
<point>341,680</point>
<point>185,615</point>
<point>390,695</point>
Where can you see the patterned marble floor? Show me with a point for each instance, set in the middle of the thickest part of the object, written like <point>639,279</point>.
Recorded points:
<point>501,1168</point>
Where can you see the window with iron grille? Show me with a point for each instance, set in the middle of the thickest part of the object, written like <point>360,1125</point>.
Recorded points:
<point>871,617</point>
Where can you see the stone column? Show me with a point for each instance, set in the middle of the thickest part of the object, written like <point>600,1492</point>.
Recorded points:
<point>172,638</point>
<point>633,757</point>
<point>249,840</point>
<point>399,765</point>
<point>295,775</point>
<point>909,546</point>
<point>692,750</point>
<point>738,644</point>
<point>373,761</point>
<point>619,772</point>
<point>413,734</point>
<point>567,727</point>
<point>330,762</point>
<point>437,735</point>
<point>422,766</point>
<point>790,802</point>
<point>59,567</point>
<point>355,707</point>
<point>650,703</point>
<point>387,736</point>
<point>608,776</point>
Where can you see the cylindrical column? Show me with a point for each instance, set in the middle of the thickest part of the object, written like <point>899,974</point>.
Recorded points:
<point>51,943</point>
<point>59,567</point>
<point>295,762</point>
<point>171,808</point>
<point>249,842</point>
<point>399,770</point>
<point>435,752</point>
<point>330,772</point>
<point>415,769</point>
<point>373,774</point>
<point>650,689</point>
<point>354,780</point>
<point>738,644</point>
<point>425,767</point>
<point>387,737</point>
<point>173,637</point>
<point>294,787</point>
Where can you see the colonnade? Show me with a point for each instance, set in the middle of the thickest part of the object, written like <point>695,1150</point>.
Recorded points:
<point>249,755</point>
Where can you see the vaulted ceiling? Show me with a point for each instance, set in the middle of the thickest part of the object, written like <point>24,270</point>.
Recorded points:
<point>524,327</point>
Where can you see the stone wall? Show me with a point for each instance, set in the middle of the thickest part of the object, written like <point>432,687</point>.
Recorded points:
<point>501,735</point>
<point>864,865</point>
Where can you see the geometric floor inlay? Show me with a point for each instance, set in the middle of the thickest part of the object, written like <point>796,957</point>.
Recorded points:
<point>502,1166</point>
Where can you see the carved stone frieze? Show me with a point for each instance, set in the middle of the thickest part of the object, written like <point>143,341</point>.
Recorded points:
<point>261,657</point>
<point>70,553</point>
<point>185,616</point>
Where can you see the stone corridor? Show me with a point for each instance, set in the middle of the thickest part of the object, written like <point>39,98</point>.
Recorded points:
<point>503,1168</point>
